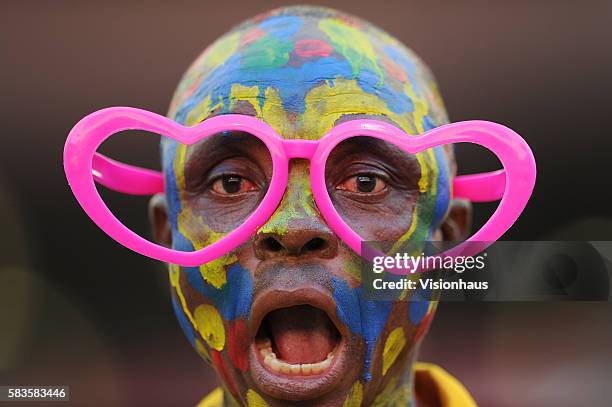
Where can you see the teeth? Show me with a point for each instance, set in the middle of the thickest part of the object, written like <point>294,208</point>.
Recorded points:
<point>306,369</point>
<point>274,363</point>
<point>316,368</point>
<point>285,367</point>
<point>268,358</point>
<point>325,364</point>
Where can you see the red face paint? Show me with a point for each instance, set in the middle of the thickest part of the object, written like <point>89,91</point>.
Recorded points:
<point>310,48</point>
<point>422,328</point>
<point>221,368</point>
<point>394,69</point>
<point>238,344</point>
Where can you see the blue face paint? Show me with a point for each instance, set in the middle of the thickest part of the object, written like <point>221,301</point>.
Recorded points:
<point>419,305</point>
<point>362,316</point>
<point>183,321</point>
<point>284,79</point>
<point>443,188</point>
<point>400,57</point>
<point>282,27</point>
<point>397,101</point>
<point>172,193</point>
<point>233,300</point>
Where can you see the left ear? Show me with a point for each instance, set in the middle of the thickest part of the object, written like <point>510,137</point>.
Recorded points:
<point>458,222</point>
<point>158,218</point>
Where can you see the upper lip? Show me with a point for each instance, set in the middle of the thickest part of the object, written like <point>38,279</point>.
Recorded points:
<point>283,386</point>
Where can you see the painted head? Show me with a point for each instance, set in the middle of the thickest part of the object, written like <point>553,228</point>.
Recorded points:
<point>284,317</point>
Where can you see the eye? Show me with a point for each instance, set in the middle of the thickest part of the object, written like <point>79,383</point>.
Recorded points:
<point>232,184</point>
<point>363,183</point>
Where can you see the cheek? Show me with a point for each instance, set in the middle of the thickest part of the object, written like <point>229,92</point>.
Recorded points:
<point>383,221</point>
<point>441,186</point>
<point>215,319</point>
<point>433,200</point>
<point>395,343</point>
<point>406,326</point>
<point>364,317</point>
<point>389,329</point>
<point>421,310</point>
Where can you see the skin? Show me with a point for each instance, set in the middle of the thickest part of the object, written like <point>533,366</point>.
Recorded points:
<point>303,71</point>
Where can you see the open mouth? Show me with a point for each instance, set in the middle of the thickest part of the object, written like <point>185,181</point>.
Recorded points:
<point>298,340</point>
<point>299,349</point>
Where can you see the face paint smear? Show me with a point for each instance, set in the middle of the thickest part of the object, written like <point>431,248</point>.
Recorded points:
<point>238,344</point>
<point>363,316</point>
<point>210,325</point>
<point>355,396</point>
<point>393,347</point>
<point>255,400</point>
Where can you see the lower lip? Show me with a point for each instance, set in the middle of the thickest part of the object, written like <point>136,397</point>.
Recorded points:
<point>298,387</point>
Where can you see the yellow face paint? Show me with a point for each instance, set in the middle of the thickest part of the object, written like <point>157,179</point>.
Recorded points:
<point>246,94</point>
<point>296,204</point>
<point>174,272</point>
<point>355,396</point>
<point>353,45</point>
<point>255,400</point>
<point>214,399</point>
<point>402,240</point>
<point>396,341</point>
<point>202,350</point>
<point>394,394</point>
<point>275,114</point>
<point>328,102</point>
<point>353,269</point>
<point>198,232</point>
<point>210,326</point>
<point>199,113</point>
<point>221,50</point>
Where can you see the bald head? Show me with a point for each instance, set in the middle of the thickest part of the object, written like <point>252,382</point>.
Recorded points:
<point>299,64</point>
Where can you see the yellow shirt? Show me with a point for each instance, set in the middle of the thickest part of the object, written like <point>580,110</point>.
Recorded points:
<point>433,386</point>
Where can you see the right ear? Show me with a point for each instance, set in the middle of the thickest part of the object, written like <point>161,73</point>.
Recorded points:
<point>158,219</point>
<point>456,226</point>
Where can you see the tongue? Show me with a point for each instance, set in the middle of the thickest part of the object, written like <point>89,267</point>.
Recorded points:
<point>301,334</point>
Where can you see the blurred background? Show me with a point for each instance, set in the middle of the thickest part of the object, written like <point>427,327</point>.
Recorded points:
<point>78,309</point>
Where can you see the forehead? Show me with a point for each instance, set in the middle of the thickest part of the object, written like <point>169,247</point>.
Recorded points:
<point>303,69</point>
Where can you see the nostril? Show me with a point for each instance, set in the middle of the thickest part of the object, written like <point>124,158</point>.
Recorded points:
<point>271,244</point>
<point>315,244</point>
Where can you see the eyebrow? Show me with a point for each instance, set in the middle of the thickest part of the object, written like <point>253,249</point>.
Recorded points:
<point>378,147</point>
<point>222,143</point>
<point>384,150</point>
<point>204,155</point>
<point>359,116</point>
<point>208,152</point>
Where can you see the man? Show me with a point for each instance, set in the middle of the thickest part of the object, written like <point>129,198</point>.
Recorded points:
<point>283,318</point>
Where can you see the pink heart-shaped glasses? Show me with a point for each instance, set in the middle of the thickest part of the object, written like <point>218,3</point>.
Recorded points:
<point>513,185</point>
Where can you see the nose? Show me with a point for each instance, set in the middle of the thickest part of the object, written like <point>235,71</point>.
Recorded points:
<point>296,228</point>
<point>298,241</point>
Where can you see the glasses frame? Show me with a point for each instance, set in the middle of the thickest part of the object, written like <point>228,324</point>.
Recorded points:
<point>84,166</point>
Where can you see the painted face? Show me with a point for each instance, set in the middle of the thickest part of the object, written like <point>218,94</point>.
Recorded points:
<point>284,316</point>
